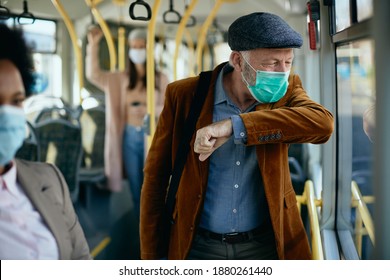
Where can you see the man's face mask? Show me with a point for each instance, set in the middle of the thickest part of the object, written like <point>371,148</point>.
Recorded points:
<point>138,56</point>
<point>12,132</point>
<point>269,86</point>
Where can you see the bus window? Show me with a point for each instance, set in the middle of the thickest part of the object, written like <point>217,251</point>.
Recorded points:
<point>356,96</point>
<point>342,15</point>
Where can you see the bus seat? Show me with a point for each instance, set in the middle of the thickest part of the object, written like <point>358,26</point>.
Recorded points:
<point>60,144</point>
<point>92,121</point>
<point>30,147</point>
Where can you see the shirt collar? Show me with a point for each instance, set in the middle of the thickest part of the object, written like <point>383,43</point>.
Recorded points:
<point>9,178</point>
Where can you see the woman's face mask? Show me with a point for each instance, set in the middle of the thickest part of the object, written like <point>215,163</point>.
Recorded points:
<point>12,132</point>
<point>269,86</point>
<point>138,56</point>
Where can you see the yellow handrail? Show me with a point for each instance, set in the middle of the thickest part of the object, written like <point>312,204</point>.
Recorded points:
<point>73,37</point>
<point>312,203</point>
<point>203,32</point>
<point>121,37</point>
<point>150,81</point>
<point>179,34</point>
<point>363,217</point>
<point>106,31</point>
<point>190,44</point>
<point>121,48</point>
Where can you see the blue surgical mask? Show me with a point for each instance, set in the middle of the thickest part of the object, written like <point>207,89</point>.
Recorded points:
<point>12,132</point>
<point>269,87</point>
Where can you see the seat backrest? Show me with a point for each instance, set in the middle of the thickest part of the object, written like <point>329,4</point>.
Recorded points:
<point>93,129</point>
<point>60,144</point>
<point>30,148</point>
<point>50,113</point>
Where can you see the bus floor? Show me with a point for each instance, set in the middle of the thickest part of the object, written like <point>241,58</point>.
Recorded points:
<point>109,223</point>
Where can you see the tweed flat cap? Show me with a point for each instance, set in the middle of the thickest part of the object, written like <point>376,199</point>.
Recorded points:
<point>138,33</point>
<point>262,30</point>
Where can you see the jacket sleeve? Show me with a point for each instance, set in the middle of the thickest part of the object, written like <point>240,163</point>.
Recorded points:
<point>156,179</point>
<point>294,119</point>
<point>80,248</point>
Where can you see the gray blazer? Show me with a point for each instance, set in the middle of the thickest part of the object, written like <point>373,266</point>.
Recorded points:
<point>48,192</point>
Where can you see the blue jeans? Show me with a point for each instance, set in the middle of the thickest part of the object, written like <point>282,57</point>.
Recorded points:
<point>133,158</point>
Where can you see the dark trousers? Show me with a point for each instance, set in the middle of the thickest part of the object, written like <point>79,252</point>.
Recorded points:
<point>259,247</point>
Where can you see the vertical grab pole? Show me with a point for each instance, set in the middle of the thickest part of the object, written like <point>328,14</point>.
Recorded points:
<point>121,48</point>
<point>76,46</point>
<point>179,35</point>
<point>150,77</point>
<point>121,37</point>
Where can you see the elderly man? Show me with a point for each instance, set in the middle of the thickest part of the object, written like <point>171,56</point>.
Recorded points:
<point>235,198</point>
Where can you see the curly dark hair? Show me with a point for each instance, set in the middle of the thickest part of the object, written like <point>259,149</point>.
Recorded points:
<point>14,47</point>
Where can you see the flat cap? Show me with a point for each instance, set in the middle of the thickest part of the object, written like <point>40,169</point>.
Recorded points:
<point>262,30</point>
<point>137,33</point>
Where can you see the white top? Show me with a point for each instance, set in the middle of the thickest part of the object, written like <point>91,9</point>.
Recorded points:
<point>23,233</point>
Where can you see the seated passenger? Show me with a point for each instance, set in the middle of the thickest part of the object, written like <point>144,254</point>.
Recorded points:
<point>37,218</point>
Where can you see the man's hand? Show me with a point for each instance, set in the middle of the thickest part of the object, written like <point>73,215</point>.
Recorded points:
<point>211,137</point>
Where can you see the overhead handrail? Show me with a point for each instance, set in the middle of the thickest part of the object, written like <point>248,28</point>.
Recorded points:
<point>192,19</point>
<point>26,15</point>
<point>143,4</point>
<point>363,221</point>
<point>4,12</point>
<point>106,31</point>
<point>179,34</point>
<point>73,37</point>
<point>171,12</point>
<point>312,203</point>
<point>150,121</point>
<point>203,31</point>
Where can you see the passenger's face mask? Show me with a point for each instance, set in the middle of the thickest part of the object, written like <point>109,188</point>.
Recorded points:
<point>138,56</point>
<point>12,132</point>
<point>269,86</point>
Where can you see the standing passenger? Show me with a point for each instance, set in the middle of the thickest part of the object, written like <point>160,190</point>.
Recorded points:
<point>125,110</point>
<point>37,218</point>
<point>235,199</point>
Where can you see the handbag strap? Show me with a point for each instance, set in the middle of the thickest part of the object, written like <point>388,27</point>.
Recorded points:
<point>184,145</point>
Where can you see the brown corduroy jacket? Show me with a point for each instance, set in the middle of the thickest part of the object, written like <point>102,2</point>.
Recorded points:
<point>271,127</point>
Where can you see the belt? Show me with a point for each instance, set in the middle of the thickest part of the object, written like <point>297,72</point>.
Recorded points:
<point>234,237</point>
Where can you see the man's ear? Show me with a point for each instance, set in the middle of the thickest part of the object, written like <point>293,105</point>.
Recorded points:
<point>236,61</point>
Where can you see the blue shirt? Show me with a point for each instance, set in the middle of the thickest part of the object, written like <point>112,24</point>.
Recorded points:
<point>235,199</point>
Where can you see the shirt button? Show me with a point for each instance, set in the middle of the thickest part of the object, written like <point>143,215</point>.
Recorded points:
<point>234,210</point>
<point>242,134</point>
<point>238,163</point>
<point>236,186</point>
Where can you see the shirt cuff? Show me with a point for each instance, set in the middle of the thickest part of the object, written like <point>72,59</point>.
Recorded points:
<point>239,130</point>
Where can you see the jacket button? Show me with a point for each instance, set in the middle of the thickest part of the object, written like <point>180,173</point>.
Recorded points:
<point>191,228</point>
